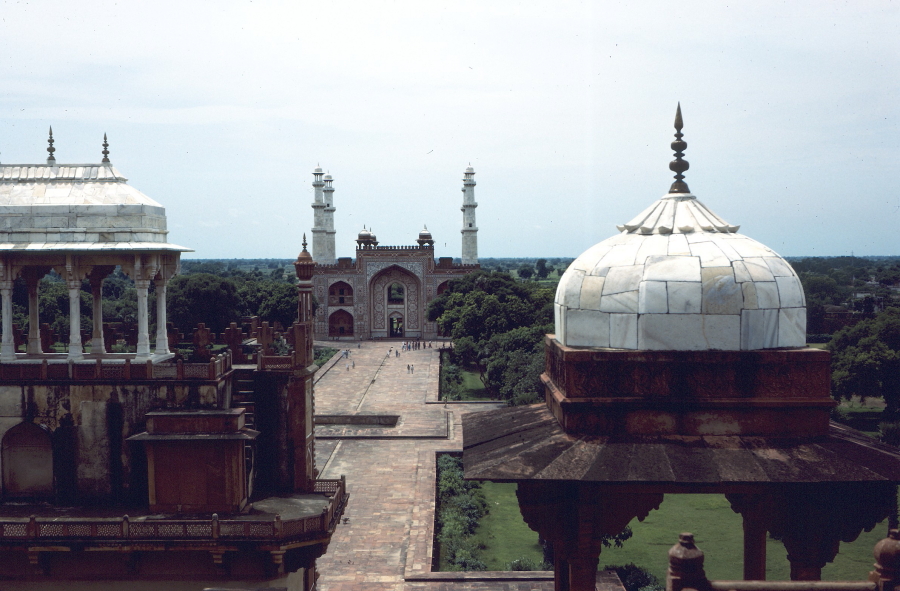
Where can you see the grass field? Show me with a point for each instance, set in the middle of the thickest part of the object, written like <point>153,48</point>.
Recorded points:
<point>717,530</point>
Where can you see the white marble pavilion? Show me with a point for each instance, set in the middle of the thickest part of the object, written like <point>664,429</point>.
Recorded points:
<point>81,220</point>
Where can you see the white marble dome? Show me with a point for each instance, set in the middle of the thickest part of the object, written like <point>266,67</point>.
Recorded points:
<point>678,277</point>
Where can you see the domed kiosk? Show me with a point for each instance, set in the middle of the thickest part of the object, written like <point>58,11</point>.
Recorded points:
<point>678,277</point>
<point>81,220</point>
<point>679,365</point>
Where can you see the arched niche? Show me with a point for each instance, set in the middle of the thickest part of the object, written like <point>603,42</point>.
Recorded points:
<point>340,293</point>
<point>26,453</point>
<point>395,291</point>
<point>340,324</point>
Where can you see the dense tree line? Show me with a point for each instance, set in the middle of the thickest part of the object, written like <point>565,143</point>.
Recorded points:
<point>460,504</point>
<point>497,325</point>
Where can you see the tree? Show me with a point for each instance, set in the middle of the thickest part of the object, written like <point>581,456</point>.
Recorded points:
<point>497,325</point>
<point>866,361</point>
<point>202,297</point>
<point>541,268</point>
<point>525,272</point>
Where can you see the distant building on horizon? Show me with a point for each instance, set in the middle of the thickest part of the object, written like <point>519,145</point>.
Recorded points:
<point>385,291</point>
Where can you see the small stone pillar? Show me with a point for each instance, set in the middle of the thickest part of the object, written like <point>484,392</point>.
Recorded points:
<point>75,345</point>
<point>887,562</point>
<point>33,278</point>
<point>143,341</point>
<point>686,566</point>
<point>162,336</point>
<point>8,347</point>
<point>96,277</point>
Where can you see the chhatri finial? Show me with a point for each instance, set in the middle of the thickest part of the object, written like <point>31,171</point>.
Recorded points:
<point>304,242</point>
<point>51,159</point>
<point>678,166</point>
<point>105,150</point>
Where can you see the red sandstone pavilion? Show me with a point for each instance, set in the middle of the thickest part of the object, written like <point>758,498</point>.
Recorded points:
<point>135,465</point>
<point>679,365</point>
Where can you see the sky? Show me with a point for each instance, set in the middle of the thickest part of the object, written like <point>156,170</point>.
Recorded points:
<point>221,110</point>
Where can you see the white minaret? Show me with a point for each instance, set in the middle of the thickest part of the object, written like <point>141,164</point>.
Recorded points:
<point>323,219</point>
<point>328,254</point>
<point>469,229</point>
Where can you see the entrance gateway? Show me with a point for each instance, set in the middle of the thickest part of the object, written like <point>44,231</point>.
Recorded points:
<point>384,291</point>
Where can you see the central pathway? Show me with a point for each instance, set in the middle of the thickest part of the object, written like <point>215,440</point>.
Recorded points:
<point>386,540</point>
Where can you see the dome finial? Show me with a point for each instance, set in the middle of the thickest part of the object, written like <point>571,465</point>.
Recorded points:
<point>51,159</point>
<point>679,166</point>
<point>105,150</point>
<point>304,242</point>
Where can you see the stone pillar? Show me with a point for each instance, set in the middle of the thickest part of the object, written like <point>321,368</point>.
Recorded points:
<point>162,336</point>
<point>98,347</point>
<point>8,348</point>
<point>575,517</point>
<point>752,508</point>
<point>686,566</point>
<point>812,520</point>
<point>75,346</point>
<point>143,342</point>
<point>32,281</point>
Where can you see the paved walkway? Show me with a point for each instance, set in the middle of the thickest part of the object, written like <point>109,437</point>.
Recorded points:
<point>386,542</point>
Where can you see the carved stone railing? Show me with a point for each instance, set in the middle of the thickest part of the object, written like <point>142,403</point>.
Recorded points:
<point>114,370</point>
<point>685,572</point>
<point>277,362</point>
<point>40,530</point>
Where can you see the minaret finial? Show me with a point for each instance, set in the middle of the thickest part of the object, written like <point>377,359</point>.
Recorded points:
<point>105,150</point>
<point>51,159</point>
<point>304,242</point>
<point>678,166</point>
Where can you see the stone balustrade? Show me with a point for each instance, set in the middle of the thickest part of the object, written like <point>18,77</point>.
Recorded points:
<point>266,527</point>
<point>115,369</point>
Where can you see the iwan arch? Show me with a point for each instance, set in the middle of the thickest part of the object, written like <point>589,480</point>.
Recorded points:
<point>385,291</point>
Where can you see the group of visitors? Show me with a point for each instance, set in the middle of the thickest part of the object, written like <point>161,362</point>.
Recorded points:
<point>416,345</point>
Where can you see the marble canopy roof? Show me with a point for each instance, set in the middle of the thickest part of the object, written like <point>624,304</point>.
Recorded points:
<point>77,207</point>
<point>527,443</point>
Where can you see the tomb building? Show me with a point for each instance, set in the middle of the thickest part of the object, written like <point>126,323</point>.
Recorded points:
<point>384,292</point>
<point>139,465</point>
<point>679,365</point>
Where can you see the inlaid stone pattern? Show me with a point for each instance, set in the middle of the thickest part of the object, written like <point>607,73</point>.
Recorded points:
<point>653,287</point>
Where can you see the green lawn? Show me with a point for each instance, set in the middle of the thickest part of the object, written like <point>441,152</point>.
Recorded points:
<point>502,531</point>
<point>717,530</point>
<point>473,385</point>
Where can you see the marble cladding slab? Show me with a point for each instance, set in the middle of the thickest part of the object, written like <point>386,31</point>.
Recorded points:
<point>779,267</point>
<point>710,254</point>
<point>790,292</point>
<point>622,302</point>
<point>688,332</point>
<point>678,245</point>
<point>623,331</point>
<point>672,268</point>
<point>653,245</point>
<point>587,328</point>
<point>759,329</point>
<point>792,327</point>
<point>653,298</point>
<point>684,297</point>
<point>721,294</point>
<point>620,255</point>
<point>591,289</point>
<point>571,288</point>
<point>621,279</point>
<point>758,269</point>
<point>767,294</point>
<point>741,273</point>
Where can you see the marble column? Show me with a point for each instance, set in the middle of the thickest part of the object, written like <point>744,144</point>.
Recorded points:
<point>98,347</point>
<point>33,280</point>
<point>75,346</point>
<point>143,342</point>
<point>162,336</point>
<point>8,347</point>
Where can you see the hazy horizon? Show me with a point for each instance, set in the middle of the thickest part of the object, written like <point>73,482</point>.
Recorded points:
<point>221,111</point>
